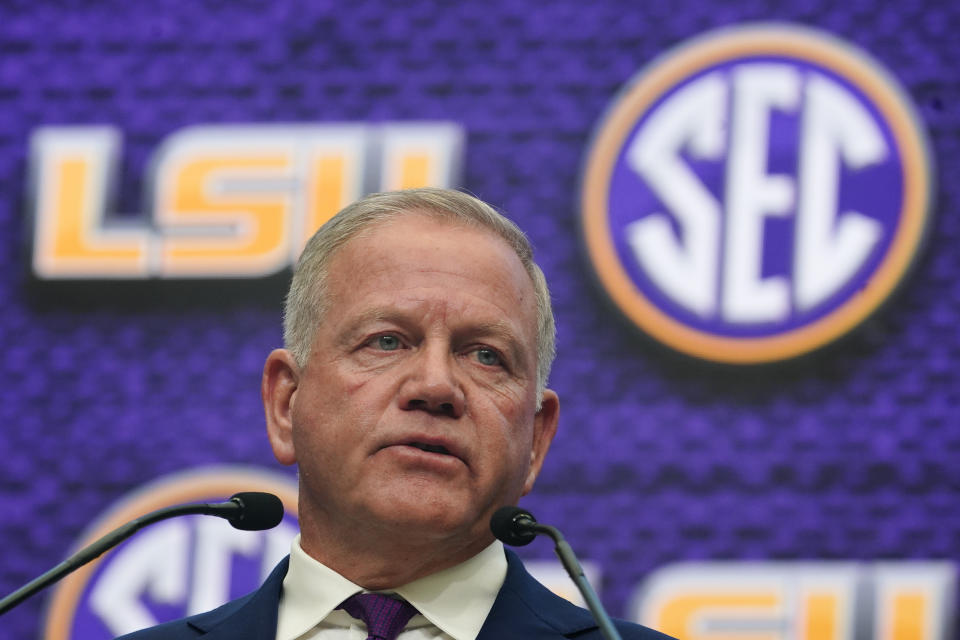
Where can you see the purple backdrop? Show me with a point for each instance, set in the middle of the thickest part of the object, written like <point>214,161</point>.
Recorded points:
<point>848,454</point>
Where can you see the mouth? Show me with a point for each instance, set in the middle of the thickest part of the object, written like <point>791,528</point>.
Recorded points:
<point>430,448</point>
<point>420,447</point>
<point>438,447</point>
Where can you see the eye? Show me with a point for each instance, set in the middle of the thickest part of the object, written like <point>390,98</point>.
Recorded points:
<point>388,342</point>
<point>488,357</point>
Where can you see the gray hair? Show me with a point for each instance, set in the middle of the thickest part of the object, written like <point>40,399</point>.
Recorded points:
<point>307,301</point>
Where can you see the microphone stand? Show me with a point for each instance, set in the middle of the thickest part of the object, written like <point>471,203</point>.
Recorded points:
<point>569,560</point>
<point>115,537</point>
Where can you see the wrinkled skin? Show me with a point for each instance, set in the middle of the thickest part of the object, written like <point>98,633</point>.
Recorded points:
<point>415,415</point>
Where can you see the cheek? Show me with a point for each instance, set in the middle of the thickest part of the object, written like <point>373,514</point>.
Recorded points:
<point>330,421</point>
<point>504,394</point>
<point>310,416</point>
<point>508,443</point>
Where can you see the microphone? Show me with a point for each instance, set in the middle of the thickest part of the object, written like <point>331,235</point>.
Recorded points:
<point>517,527</point>
<point>513,526</point>
<point>253,510</point>
<point>247,511</point>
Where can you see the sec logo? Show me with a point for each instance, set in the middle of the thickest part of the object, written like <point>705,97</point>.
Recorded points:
<point>176,567</point>
<point>756,193</point>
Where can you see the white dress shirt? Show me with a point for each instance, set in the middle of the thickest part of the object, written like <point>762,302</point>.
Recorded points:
<point>453,603</point>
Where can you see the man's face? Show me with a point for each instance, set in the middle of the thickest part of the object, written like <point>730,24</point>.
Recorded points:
<point>416,411</point>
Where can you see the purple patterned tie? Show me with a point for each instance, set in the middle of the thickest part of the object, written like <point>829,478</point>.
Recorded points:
<point>385,616</point>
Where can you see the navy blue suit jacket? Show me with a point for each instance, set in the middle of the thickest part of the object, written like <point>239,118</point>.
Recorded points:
<point>524,610</point>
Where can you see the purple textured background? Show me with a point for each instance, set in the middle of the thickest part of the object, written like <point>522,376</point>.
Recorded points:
<point>849,454</point>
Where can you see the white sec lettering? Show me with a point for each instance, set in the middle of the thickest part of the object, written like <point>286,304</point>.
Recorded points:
<point>831,247</point>
<point>684,270</point>
<point>154,564</point>
<point>752,194</point>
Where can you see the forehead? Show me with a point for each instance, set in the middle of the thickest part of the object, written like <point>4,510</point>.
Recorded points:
<point>415,253</point>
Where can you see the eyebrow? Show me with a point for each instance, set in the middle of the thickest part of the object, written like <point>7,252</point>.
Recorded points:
<point>371,315</point>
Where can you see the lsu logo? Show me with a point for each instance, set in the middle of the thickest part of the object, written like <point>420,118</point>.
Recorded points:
<point>756,194</point>
<point>228,201</point>
<point>176,567</point>
<point>903,600</point>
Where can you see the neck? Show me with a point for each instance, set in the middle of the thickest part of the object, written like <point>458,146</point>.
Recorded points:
<point>379,560</point>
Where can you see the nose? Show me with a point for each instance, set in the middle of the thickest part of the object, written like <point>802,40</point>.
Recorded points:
<point>431,384</point>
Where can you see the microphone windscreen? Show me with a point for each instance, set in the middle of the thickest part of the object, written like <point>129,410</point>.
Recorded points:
<point>505,527</point>
<point>258,511</point>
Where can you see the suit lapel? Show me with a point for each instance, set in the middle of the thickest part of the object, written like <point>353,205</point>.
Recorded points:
<point>251,618</point>
<point>526,609</point>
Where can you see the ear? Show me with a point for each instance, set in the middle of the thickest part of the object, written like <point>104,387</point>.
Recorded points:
<point>544,428</point>
<point>278,388</point>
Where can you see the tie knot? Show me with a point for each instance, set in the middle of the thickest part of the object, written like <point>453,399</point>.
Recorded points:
<point>385,616</point>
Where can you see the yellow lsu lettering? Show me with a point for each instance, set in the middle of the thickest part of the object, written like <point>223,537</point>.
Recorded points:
<point>714,616</point>
<point>913,601</point>
<point>820,620</point>
<point>798,601</point>
<point>227,201</point>
<point>256,225</point>
<point>72,180</point>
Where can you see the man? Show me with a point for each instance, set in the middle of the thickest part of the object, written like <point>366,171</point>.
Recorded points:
<point>412,396</point>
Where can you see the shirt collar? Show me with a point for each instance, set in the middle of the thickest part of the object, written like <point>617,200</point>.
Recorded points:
<point>441,597</point>
<point>311,592</point>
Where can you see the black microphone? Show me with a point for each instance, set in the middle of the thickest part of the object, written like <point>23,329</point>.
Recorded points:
<point>256,511</point>
<point>248,511</point>
<point>515,526</point>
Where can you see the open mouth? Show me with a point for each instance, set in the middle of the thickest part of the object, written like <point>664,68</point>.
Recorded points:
<point>432,448</point>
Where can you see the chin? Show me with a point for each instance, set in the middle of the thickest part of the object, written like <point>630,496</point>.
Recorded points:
<point>433,517</point>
